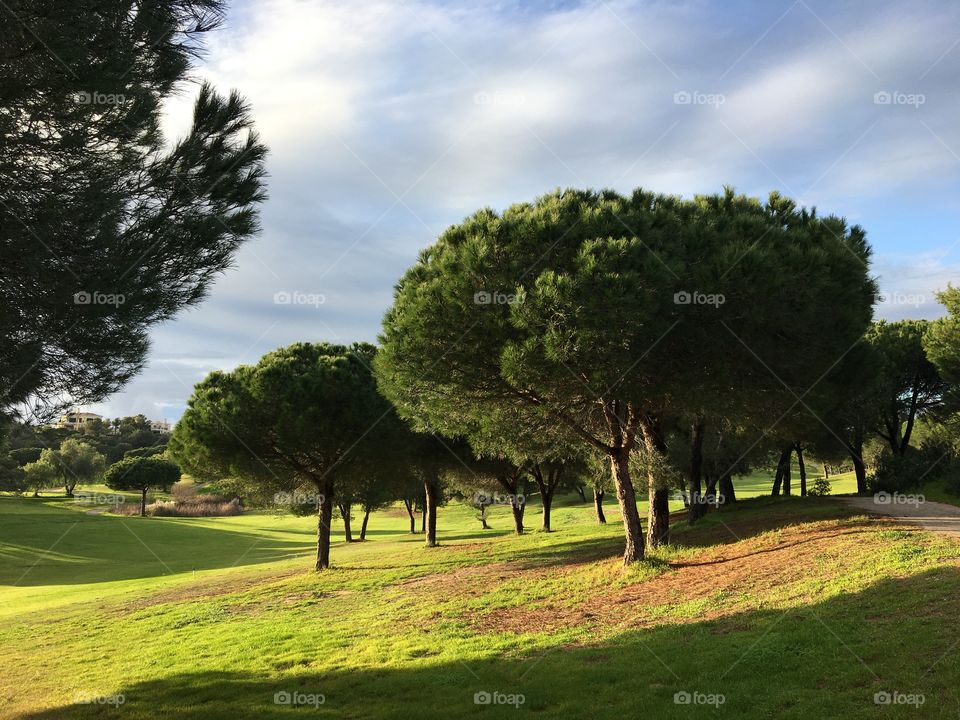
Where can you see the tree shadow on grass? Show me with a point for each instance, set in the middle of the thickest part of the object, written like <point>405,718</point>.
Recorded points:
<point>828,659</point>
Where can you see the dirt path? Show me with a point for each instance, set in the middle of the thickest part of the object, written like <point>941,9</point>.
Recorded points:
<point>933,516</point>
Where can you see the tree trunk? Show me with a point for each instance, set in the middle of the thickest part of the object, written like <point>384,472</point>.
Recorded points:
<point>658,522</point>
<point>727,493</point>
<point>547,504</point>
<point>324,520</point>
<point>861,473</point>
<point>627,498</point>
<point>598,506</point>
<point>408,504</point>
<point>516,507</point>
<point>658,516</point>
<point>787,474</point>
<point>345,512</point>
<point>826,471</point>
<point>580,492</point>
<point>483,517</point>
<point>431,497</point>
<point>363,525</point>
<point>783,473</point>
<point>546,485</point>
<point>696,508</point>
<point>710,496</point>
<point>803,470</point>
<point>143,503</point>
<point>423,518</point>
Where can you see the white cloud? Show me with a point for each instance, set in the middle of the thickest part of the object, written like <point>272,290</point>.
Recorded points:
<point>388,121</point>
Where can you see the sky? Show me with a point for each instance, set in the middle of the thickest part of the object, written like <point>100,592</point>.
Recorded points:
<point>388,122</point>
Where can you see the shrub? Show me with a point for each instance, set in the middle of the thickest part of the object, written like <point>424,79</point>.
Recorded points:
<point>183,491</point>
<point>820,487</point>
<point>196,507</point>
<point>902,473</point>
<point>207,507</point>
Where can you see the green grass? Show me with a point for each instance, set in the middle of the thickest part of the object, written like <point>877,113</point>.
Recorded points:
<point>790,608</point>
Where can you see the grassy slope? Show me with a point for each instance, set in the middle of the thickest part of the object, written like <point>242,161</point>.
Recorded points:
<point>789,608</point>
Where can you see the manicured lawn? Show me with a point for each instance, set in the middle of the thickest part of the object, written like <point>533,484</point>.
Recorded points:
<point>789,608</point>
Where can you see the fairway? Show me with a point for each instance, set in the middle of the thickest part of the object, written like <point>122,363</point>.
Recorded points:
<point>220,617</point>
<point>423,360</point>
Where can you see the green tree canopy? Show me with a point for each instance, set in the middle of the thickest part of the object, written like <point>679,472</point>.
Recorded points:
<point>75,463</point>
<point>142,474</point>
<point>106,228</point>
<point>942,341</point>
<point>308,415</point>
<point>598,313</point>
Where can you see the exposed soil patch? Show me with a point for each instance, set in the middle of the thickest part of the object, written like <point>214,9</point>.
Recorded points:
<point>211,588</point>
<point>714,583</point>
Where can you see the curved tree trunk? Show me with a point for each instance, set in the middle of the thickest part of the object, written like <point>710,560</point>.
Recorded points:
<point>363,525</point>
<point>782,479</point>
<point>408,504</point>
<point>547,485</point>
<point>324,519</point>
<point>598,506</point>
<point>580,491</point>
<point>345,512</point>
<point>627,499</point>
<point>431,497</point>
<point>785,459</point>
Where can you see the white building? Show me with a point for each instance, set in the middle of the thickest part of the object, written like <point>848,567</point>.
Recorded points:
<point>161,427</point>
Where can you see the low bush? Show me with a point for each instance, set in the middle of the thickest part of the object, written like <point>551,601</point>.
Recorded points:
<point>200,506</point>
<point>197,507</point>
<point>820,487</point>
<point>916,467</point>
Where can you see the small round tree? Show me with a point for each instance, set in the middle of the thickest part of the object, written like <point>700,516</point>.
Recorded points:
<point>142,474</point>
<point>305,416</point>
